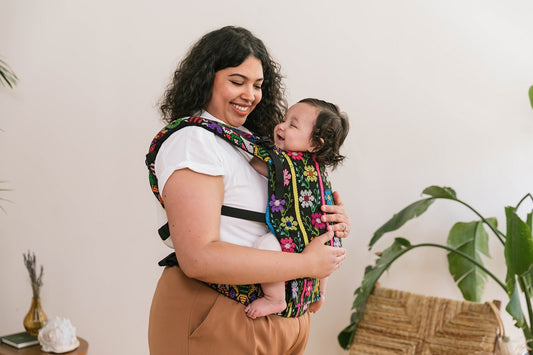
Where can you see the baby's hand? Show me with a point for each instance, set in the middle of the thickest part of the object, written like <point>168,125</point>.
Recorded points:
<point>315,306</point>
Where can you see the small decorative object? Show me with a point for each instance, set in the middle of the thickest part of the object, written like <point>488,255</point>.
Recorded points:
<point>35,318</point>
<point>58,336</point>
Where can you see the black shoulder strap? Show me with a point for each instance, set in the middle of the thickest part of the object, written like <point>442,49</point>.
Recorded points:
<point>258,146</point>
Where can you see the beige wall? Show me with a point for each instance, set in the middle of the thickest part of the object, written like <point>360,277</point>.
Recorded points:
<point>436,92</point>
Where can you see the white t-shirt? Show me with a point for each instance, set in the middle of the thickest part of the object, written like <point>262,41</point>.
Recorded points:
<point>202,151</point>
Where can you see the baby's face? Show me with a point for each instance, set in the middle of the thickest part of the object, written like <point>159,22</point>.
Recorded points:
<point>294,133</point>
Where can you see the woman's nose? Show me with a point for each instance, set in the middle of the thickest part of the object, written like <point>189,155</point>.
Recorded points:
<point>248,93</point>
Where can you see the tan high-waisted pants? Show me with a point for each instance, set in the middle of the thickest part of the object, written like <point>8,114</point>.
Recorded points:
<point>188,317</point>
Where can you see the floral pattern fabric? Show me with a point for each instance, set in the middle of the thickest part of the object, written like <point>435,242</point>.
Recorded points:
<point>298,185</point>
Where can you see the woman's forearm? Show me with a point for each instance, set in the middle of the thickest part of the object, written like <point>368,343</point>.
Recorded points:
<point>221,262</point>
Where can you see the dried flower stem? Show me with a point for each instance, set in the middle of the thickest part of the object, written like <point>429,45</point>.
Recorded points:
<point>36,281</point>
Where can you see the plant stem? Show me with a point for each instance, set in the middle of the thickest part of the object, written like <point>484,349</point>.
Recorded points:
<point>473,261</point>
<point>522,200</point>
<point>498,234</point>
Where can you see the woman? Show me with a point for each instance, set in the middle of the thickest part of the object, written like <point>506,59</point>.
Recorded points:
<point>227,76</point>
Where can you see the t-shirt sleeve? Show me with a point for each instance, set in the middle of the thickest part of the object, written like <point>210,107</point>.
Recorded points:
<point>190,147</point>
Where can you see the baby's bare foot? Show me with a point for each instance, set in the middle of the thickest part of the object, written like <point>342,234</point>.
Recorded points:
<point>264,306</point>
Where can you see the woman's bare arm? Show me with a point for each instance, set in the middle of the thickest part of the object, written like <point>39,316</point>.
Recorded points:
<point>193,202</point>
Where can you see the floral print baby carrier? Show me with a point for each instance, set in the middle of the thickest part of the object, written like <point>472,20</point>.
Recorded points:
<point>297,187</point>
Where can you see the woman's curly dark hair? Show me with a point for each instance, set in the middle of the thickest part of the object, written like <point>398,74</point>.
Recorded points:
<point>192,84</point>
<point>331,129</point>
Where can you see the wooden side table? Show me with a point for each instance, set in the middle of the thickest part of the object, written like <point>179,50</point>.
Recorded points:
<point>36,350</point>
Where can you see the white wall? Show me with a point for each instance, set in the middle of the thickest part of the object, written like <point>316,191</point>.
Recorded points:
<point>436,92</point>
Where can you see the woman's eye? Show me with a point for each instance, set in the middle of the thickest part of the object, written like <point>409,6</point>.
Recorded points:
<point>257,87</point>
<point>236,83</point>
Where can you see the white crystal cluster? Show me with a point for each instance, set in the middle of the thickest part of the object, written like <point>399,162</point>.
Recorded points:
<point>58,336</point>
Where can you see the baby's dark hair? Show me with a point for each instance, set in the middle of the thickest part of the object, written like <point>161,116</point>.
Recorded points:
<point>331,129</point>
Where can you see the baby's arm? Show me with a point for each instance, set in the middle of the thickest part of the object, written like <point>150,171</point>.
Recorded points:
<point>315,306</point>
<point>259,166</point>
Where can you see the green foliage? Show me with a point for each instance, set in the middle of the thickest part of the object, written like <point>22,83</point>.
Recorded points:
<point>466,244</point>
<point>471,239</point>
<point>531,96</point>
<point>519,244</point>
<point>413,210</point>
<point>7,77</point>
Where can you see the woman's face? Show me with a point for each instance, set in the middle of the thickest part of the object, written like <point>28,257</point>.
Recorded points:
<point>236,92</point>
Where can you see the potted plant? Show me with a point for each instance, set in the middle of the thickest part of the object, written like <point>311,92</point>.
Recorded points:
<point>466,242</point>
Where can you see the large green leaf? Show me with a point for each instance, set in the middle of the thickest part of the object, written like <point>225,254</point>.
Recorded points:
<point>518,245</point>
<point>399,219</point>
<point>413,210</point>
<point>372,275</point>
<point>440,192</point>
<point>470,239</point>
<point>528,278</point>
<point>515,309</point>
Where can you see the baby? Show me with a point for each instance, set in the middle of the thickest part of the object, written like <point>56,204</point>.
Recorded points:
<point>312,131</point>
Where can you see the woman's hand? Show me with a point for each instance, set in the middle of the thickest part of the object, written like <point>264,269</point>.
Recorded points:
<point>336,214</point>
<point>323,259</point>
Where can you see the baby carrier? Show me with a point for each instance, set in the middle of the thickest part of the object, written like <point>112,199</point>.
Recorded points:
<point>297,187</point>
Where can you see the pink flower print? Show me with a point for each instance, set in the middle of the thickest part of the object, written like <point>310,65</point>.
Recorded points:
<point>307,290</point>
<point>287,245</point>
<point>295,155</point>
<point>316,221</point>
<point>310,173</point>
<point>306,198</point>
<point>276,205</point>
<point>286,177</point>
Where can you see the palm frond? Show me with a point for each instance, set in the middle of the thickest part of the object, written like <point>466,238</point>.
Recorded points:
<point>7,76</point>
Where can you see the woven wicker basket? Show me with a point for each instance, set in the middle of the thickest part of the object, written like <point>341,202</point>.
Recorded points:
<point>398,322</point>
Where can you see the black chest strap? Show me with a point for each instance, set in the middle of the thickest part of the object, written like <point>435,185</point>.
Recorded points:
<point>164,231</point>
